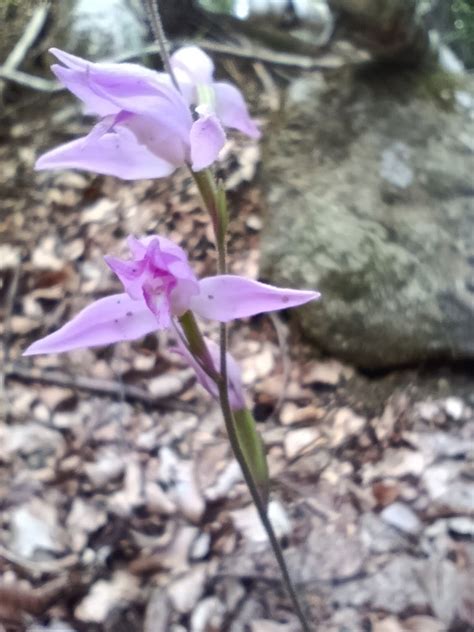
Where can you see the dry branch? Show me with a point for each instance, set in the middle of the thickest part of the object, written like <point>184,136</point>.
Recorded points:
<point>9,68</point>
<point>109,388</point>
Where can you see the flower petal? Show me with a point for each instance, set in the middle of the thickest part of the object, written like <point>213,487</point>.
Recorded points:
<point>77,82</point>
<point>207,139</point>
<point>232,109</point>
<point>165,132</point>
<point>195,63</point>
<point>226,297</point>
<point>108,320</point>
<point>71,61</point>
<point>236,390</point>
<point>123,86</point>
<point>116,153</point>
<point>121,78</point>
<point>130,274</point>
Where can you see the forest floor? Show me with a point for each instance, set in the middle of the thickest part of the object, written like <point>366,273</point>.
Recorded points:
<point>121,506</point>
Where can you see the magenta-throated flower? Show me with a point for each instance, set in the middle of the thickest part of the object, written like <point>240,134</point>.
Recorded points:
<point>159,286</point>
<point>146,129</point>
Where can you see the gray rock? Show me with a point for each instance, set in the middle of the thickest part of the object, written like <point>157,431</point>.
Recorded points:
<point>462,526</point>
<point>97,30</point>
<point>394,587</point>
<point>35,532</point>
<point>379,537</point>
<point>312,563</point>
<point>370,189</point>
<point>454,408</point>
<point>158,611</point>
<point>448,489</point>
<point>401,517</point>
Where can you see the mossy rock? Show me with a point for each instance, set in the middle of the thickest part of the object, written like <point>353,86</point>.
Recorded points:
<point>370,191</point>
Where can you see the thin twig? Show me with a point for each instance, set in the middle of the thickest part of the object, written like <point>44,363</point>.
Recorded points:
<point>281,337</point>
<point>103,387</point>
<point>30,81</point>
<point>27,39</point>
<point>34,567</point>
<point>9,304</point>
<point>287,60</point>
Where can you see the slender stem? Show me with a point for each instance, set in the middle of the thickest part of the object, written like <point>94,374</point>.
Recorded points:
<point>259,504</point>
<point>208,190</point>
<point>156,23</point>
<point>197,345</point>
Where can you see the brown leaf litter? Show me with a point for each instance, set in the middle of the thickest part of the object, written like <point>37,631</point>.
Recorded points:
<point>121,506</point>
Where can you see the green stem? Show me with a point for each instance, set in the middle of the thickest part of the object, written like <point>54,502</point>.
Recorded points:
<point>197,344</point>
<point>214,201</point>
<point>209,194</point>
<point>259,503</point>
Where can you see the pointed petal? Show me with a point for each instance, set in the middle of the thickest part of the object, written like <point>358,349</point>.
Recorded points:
<point>123,86</point>
<point>77,82</point>
<point>108,320</point>
<point>137,246</point>
<point>232,109</point>
<point>207,139</point>
<point>130,274</point>
<point>115,153</point>
<point>71,61</point>
<point>136,89</point>
<point>226,297</point>
<point>195,62</point>
<point>121,78</point>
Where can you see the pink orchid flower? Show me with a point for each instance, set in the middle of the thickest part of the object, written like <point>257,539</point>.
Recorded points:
<point>194,71</point>
<point>234,378</point>
<point>159,286</point>
<point>146,128</point>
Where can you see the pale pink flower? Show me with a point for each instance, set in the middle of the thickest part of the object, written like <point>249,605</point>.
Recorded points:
<point>159,286</point>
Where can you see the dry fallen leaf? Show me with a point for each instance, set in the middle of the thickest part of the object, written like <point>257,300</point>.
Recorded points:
<point>104,595</point>
<point>297,442</point>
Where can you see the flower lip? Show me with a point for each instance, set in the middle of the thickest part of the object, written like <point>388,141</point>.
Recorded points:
<point>158,273</point>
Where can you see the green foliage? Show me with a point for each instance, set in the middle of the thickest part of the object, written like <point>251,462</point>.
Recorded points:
<point>461,35</point>
<point>463,19</point>
<point>218,6</point>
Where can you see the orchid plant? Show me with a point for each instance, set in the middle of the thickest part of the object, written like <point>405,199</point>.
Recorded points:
<point>149,124</point>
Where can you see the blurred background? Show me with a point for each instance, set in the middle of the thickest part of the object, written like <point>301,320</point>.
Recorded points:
<point>121,508</point>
